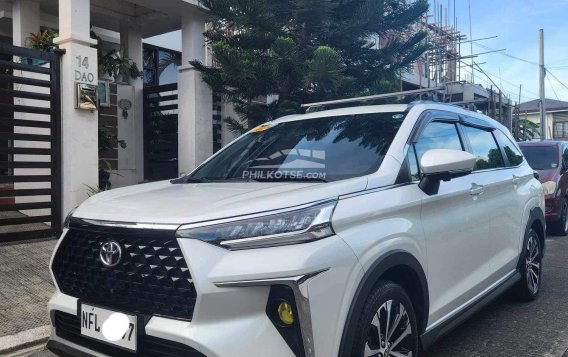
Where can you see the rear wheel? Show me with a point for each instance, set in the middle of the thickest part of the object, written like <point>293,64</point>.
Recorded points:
<point>387,325</point>
<point>560,227</point>
<point>530,267</point>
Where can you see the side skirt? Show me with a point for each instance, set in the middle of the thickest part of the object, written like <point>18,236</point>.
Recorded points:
<point>429,337</point>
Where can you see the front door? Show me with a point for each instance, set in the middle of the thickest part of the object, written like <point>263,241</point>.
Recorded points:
<point>455,223</point>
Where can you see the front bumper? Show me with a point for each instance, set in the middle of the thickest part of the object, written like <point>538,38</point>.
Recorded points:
<point>232,287</point>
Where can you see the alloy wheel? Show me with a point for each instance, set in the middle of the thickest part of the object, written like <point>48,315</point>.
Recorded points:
<point>390,333</point>
<point>533,264</point>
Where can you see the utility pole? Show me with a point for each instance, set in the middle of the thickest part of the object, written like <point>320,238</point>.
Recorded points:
<point>471,43</point>
<point>518,126</point>
<point>541,83</point>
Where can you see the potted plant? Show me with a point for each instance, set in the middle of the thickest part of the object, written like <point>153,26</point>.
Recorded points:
<point>114,65</point>
<point>41,40</point>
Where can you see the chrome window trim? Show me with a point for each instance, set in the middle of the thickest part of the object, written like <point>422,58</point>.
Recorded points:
<point>375,189</point>
<point>299,288</point>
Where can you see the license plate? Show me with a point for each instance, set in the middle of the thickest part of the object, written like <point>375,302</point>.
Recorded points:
<point>109,326</point>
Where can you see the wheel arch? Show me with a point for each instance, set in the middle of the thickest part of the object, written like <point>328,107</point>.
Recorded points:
<point>537,221</point>
<point>401,267</point>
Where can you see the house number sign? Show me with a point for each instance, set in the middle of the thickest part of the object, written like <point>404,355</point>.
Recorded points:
<point>82,73</point>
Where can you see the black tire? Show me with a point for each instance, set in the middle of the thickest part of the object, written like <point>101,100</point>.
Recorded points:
<point>530,267</point>
<point>386,297</point>
<point>560,227</point>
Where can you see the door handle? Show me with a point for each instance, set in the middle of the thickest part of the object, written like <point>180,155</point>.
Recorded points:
<point>476,189</point>
<point>516,180</point>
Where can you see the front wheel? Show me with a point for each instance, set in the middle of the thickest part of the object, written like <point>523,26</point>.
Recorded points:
<point>387,325</point>
<point>530,267</point>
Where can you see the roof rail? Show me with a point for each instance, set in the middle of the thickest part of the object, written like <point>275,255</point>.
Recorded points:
<point>372,97</point>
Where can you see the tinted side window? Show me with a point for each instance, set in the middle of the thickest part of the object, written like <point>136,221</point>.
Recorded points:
<point>413,164</point>
<point>565,158</point>
<point>485,148</point>
<point>513,154</point>
<point>438,135</point>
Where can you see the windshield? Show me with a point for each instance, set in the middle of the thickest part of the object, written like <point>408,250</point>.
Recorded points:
<point>541,157</point>
<point>320,149</point>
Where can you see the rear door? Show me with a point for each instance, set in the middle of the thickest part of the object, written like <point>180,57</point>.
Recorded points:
<point>521,176</point>
<point>497,181</point>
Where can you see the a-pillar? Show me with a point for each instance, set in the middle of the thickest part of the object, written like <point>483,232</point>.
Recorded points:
<point>25,20</point>
<point>79,126</point>
<point>195,100</point>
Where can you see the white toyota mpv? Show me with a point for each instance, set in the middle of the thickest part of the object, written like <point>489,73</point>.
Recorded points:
<point>360,231</point>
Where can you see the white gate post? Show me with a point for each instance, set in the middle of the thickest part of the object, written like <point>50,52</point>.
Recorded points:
<point>195,101</point>
<point>79,126</point>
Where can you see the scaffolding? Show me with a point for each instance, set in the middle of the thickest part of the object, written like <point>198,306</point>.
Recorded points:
<point>443,65</point>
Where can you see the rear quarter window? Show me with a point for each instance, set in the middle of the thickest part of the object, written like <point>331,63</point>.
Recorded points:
<point>514,155</point>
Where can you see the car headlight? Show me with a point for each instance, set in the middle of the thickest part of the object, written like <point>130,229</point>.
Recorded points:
<point>290,227</point>
<point>549,187</point>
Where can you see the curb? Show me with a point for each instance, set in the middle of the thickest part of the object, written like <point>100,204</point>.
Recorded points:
<point>24,339</point>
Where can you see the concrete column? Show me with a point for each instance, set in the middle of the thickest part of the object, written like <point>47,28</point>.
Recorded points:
<point>195,100</point>
<point>25,20</point>
<point>79,127</point>
<point>132,129</point>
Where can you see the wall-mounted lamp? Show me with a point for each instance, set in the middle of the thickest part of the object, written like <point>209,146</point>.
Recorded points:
<point>125,105</point>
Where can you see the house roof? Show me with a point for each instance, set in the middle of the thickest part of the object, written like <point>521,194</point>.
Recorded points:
<point>551,105</point>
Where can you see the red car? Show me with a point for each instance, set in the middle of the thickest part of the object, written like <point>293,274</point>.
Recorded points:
<point>550,160</point>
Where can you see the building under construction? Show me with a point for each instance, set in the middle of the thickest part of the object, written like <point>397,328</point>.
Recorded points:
<point>444,66</point>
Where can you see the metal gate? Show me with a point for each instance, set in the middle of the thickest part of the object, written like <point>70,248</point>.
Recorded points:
<point>30,144</point>
<point>160,132</point>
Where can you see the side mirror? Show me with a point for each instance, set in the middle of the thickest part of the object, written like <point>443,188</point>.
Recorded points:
<point>443,165</point>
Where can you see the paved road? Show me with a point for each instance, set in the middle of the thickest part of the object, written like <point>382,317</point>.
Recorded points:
<point>507,328</point>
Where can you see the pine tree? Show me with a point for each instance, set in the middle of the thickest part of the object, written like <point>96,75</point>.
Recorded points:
<point>301,51</point>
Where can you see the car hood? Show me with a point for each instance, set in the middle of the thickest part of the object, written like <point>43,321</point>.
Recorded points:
<point>167,203</point>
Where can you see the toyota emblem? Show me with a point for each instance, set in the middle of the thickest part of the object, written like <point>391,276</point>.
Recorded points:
<point>110,254</point>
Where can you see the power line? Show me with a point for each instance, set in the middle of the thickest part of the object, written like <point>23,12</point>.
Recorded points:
<point>551,86</point>
<point>557,80</point>
<point>515,85</point>
<point>507,54</point>
<point>488,84</point>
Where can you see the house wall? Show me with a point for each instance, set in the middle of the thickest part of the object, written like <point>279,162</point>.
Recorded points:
<point>129,171</point>
<point>227,110</point>
<point>535,118</point>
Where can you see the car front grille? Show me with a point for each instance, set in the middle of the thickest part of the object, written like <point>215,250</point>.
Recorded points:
<point>151,278</point>
<point>68,327</point>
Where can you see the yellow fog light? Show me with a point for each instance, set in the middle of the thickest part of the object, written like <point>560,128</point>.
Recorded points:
<point>285,313</point>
